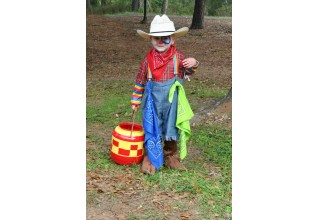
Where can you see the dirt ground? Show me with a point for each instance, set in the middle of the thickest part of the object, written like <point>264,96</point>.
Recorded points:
<point>114,48</point>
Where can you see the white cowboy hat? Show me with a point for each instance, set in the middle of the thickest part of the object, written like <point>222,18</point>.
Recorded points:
<point>163,26</point>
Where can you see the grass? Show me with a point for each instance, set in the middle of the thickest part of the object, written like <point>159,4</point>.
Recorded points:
<point>108,105</point>
<point>198,92</point>
<point>111,104</point>
<point>216,146</point>
<point>204,90</point>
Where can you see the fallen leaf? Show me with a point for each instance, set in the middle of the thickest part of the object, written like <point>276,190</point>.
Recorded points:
<point>185,216</point>
<point>100,191</point>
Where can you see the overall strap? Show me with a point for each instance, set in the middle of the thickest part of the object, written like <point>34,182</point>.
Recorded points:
<point>175,65</point>
<point>149,76</point>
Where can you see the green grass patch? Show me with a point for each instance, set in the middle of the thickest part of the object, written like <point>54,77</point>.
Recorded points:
<point>102,160</point>
<point>197,92</point>
<point>201,89</point>
<point>99,161</point>
<point>216,146</point>
<point>111,103</point>
<point>96,139</point>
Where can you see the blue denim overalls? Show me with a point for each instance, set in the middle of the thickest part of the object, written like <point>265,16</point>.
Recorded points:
<point>165,111</point>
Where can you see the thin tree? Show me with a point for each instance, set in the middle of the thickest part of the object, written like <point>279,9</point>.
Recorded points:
<point>198,14</point>
<point>164,6</point>
<point>144,12</point>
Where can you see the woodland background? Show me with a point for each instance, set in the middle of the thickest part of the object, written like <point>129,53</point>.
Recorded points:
<point>177,7</point>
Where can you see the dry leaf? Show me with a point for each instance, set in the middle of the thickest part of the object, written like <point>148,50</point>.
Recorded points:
<point>185,216</point>
<point>100,191</point>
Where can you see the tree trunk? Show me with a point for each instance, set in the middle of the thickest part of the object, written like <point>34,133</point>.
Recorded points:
<point>198,14</point>
<point>135,5</point>
<point>103,3</point>
<point>88,4</point>
<point>164,7</point>
<point>144,12</point>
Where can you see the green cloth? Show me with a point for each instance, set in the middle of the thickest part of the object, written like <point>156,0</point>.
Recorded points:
<point>184,114</point>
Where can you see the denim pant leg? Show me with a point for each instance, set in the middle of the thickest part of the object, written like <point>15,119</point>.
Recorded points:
<point>158,100</point>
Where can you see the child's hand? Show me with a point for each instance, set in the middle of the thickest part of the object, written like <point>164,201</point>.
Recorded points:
<point>135,107</point>
<point>189,62</point>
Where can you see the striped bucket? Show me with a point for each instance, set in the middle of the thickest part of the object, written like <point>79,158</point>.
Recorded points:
<point>126,147</point>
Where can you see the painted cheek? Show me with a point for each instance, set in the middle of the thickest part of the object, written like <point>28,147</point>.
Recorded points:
<point>154,43</point>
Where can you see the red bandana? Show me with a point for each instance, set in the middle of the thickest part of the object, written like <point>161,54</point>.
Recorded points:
<point>158,61</point>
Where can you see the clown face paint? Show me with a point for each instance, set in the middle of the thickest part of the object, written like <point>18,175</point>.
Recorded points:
<point>161,44</point>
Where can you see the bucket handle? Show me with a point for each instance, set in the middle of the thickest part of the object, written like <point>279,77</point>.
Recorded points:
<point>133,114</point>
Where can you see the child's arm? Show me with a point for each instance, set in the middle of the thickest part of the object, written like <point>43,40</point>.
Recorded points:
<point>138,89</point>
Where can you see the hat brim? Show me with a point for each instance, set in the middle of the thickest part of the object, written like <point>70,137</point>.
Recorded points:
<point>178,33</point>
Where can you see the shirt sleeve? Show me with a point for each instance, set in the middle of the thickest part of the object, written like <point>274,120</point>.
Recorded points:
<point>141,80</point>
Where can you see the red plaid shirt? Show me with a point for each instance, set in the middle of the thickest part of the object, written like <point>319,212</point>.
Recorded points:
<point>168,72</point>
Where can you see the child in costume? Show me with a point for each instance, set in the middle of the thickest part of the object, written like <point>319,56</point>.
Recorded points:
<point>158,86</point>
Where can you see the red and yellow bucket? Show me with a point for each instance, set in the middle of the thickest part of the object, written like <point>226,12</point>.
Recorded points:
<point>127,144</point>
